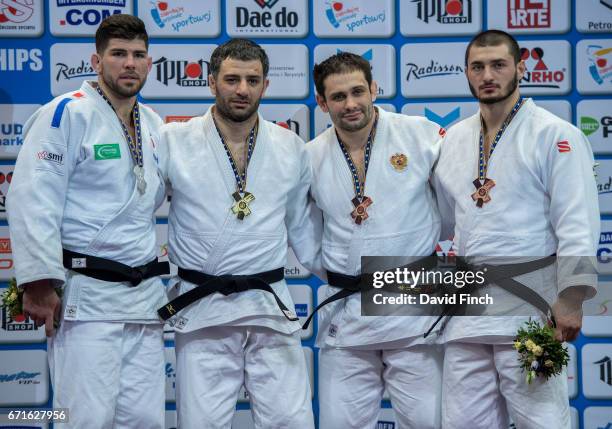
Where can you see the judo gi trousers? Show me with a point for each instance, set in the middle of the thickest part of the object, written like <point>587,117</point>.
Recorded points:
<point>352,381</point>
<point>109,374</point>
<point>212,364</point>
<point>483,386</point>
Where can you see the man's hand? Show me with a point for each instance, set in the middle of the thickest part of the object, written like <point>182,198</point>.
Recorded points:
<point>41,304</point>
<point>568,313</point>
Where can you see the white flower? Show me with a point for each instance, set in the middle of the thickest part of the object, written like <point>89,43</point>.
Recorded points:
<point>534,364</point>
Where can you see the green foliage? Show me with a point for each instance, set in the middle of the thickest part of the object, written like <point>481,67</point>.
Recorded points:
<point>539,353</point>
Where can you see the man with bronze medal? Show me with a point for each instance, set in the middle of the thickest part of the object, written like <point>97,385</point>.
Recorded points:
<point>81,214</point>
<point>509,190</point>
<point>371,173</point>
<point>239,196</point>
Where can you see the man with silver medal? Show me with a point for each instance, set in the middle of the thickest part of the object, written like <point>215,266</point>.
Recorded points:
<point>81,214</point>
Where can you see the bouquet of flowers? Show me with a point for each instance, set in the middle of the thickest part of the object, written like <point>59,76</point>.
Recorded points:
<point>12,299</point>
<point>539,353</point>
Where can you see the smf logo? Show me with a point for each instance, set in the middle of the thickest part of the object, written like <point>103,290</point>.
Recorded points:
<point>605,370</point>
<point>15,11</point>
<point>56,158</point>
<point>175,16</point>
<point>11,129</point>
<point>601,63</point>
<point>17,323</point>
<point>528,14</point>
<point>590,125</point>
<point>89,16</point>
<point>538,75</point>
<point>65,71</point>
<point>255,19</point>
<point>15,59</point>
<point>5,181</point>
<point>20,377</point>
<point>443,121</point>
<point>433,69</point>
<point>184,73</point>
<point>445,11</point>
<point>289,124</point>
<point>337,15</point>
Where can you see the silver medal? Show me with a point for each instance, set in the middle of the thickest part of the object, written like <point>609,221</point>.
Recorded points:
<point>141,184</point>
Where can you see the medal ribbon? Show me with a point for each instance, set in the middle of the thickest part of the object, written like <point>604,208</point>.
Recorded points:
<point>135,146</point>
<point>358,185</point>
<point>240,178</point>
<point>482,167</point>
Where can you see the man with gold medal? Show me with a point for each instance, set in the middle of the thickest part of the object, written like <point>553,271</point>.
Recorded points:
<point>508,186</point>
<point>239,196</point>
<point>371,173</point>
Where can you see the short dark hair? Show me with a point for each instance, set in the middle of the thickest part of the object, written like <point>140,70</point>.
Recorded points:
<point>495,38</point>
<point>241,50</point>
<point>342,62</point>
<point>120,26</point>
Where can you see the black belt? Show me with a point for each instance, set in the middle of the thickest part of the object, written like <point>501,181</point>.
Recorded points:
<point>225,284</point>
<point>352,284</point>
<point>502,276</point>
<point>112,271</point>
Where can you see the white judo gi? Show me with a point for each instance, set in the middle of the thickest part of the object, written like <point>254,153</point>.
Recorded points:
<point>361,356</point>
<point>223,342</point>
<point>72,189</point>
<point>544,202</point>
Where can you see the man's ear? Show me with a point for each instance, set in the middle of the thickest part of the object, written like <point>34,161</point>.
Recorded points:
<point>322,103</point>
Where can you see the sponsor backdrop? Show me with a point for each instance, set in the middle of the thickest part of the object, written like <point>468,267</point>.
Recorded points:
<point>416,49</point>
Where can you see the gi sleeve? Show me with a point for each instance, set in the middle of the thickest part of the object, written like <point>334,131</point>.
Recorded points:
<point>36,198</point>
<point>304,221</point>
<point>443,200</point>
<point>574,208</point>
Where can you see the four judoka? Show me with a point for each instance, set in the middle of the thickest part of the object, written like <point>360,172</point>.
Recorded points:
<point>87,181</point>
<point>518,182</point>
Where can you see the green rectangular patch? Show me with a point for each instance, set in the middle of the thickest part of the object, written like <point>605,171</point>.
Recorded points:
<point>107,151</point>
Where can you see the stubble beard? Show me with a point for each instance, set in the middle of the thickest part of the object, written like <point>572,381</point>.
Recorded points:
<point>511,87</point>
<point>358,126</point>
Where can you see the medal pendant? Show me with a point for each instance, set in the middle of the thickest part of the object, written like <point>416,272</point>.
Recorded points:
<point>481,195</point>
<point>141,184</point>
<point>360,212</point>
<point>241,207</point>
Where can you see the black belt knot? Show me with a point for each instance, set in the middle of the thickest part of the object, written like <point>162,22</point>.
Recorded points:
<point>225,284</point>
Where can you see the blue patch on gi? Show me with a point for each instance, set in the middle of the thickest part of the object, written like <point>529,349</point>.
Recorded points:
<point>59,111</point>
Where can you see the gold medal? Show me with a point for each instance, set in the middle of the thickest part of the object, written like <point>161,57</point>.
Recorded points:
<point>399,161</point>
<point>241,207</point>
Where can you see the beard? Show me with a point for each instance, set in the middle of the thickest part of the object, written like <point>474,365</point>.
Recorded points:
<point>509,90</point>
<point>351,127</point>
<point>224,108</point>
<point>120,91</point>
